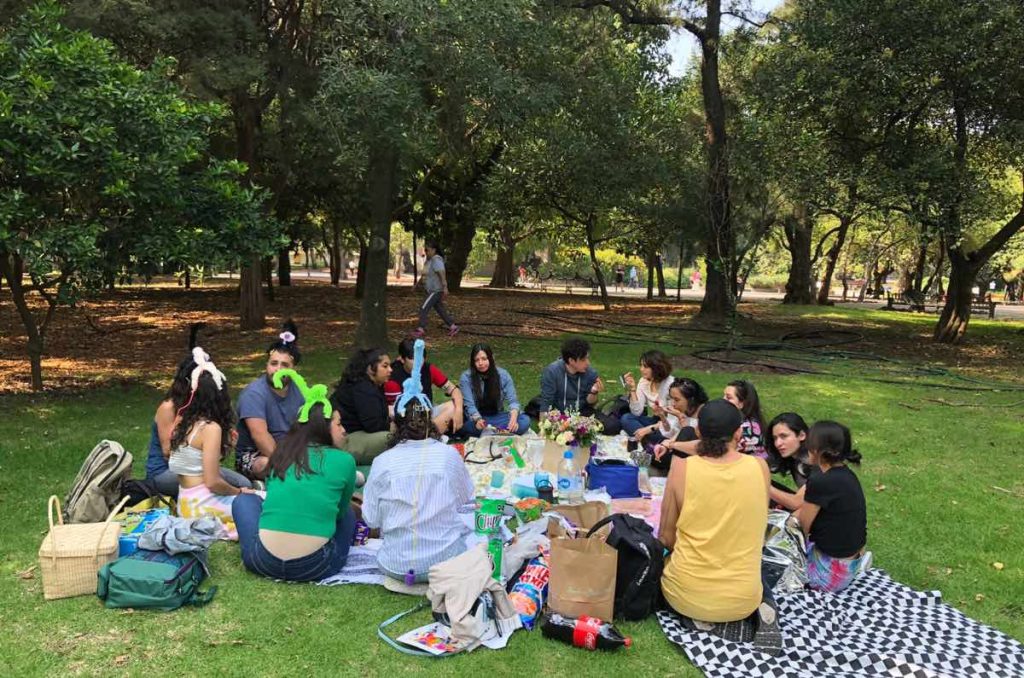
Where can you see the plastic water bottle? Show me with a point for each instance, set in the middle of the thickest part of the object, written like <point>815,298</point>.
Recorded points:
<point>570,481</point>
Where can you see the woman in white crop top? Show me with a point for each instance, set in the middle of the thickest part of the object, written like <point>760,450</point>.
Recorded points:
<point>198,445</point>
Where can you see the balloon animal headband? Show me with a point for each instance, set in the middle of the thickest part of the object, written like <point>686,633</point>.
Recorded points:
<point>312,394</point>
<point>204,364</point>
<point>412,388</point>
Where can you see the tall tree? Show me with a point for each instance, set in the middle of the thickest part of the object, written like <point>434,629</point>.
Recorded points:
<point>96,151</point>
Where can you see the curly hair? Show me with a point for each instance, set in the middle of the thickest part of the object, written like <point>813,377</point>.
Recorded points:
<point>362,359</point>
<point>181,385</point>
<point>414,424</point>
<point>207,403</point>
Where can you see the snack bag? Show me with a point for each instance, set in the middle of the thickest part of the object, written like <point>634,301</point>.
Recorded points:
<point>529,592</point>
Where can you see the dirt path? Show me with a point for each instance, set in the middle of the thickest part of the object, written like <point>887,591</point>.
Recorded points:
<point>139,333</point>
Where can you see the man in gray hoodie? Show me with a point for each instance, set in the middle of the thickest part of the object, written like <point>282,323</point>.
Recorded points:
<point>571,384</point>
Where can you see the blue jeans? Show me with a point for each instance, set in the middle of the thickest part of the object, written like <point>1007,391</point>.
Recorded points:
<point>499,420</point>
<point>631,422</point>
<point>325,561</point>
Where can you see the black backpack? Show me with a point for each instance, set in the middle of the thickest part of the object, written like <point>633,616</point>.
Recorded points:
<point>641,560</point>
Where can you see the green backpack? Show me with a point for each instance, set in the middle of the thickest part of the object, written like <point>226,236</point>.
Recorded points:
<point>154,580</point>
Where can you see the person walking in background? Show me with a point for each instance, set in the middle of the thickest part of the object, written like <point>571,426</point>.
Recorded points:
<point>634,278</point>
<point>620,276</point>
<point>436,285</point>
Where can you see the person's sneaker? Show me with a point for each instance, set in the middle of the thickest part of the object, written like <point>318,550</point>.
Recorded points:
<point>360,479</point>
<point>768,637</point>
<point>453,330</point>
<point>419,333</point>
<point>865,563</point>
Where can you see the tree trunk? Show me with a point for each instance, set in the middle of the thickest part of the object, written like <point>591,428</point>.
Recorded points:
<point>284,268</point>
<point>383,186</point>
<point>246,115</point>
<point>679,274</point>
<point>720,287</point>
<point>13,268</point>
<point>361,270</point>
<point>799,231</point>
<point>252,315</point>
<point>831,258</point>
<point>268,277</point>
<point>650,276</point>
<point>661,276</point>
<point>459,245</point>
<point>334,253</point>
<point>917,275</point>
<point>188,278</point>
<point>505,264</point>
<point>593,263</point>
<point>940,261</point>
<point>957,311</point>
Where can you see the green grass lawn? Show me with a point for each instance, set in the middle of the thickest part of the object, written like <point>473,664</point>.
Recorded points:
<point>944,485</point>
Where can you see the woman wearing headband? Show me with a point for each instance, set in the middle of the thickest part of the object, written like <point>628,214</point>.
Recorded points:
<point>157,470</point>
<point>303,530</point>
<point>200,441</point>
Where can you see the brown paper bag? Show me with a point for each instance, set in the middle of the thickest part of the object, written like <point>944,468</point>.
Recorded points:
<point>583,516</point>
<point>582,578</point>
<point>554,453</point>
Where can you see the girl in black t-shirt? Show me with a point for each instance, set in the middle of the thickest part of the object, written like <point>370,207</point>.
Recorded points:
<point>834,514</point>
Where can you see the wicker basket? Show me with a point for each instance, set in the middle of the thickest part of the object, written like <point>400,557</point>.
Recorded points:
<point>70,555</point>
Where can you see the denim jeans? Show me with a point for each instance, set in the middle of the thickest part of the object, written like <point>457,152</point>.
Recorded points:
<point>499,420</point>
<point>632,422</point>
<point>325,561</point>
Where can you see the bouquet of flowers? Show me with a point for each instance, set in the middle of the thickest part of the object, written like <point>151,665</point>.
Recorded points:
<point>570,428</point>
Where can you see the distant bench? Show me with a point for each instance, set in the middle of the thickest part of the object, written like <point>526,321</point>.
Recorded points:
<point>567,283</point>
<point>909,301</point>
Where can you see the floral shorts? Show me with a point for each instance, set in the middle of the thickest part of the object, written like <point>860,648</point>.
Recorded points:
<point>825,573</point>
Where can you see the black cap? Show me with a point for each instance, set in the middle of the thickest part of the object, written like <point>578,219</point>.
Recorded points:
<point>719,419</point>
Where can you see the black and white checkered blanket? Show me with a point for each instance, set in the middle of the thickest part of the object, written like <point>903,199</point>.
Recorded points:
<point>877,627</point>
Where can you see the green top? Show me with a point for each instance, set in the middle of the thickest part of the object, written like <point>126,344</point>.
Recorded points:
<point>310,504</point>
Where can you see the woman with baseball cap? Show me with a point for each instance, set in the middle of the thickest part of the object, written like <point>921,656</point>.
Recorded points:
<point>713,518</point>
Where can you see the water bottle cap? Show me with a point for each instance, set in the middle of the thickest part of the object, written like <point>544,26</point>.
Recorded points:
<point>567,454</point>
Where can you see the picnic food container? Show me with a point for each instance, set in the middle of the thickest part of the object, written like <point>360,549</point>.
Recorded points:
<point>70,555</point>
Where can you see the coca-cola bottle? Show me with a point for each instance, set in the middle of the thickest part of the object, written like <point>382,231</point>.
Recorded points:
<point>590,633</point>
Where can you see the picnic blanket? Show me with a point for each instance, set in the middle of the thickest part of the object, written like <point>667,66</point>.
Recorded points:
<point>877,627</point>
<point>360,568</point>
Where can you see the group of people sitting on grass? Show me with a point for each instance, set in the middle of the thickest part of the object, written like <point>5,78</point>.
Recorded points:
<point>290,501</point>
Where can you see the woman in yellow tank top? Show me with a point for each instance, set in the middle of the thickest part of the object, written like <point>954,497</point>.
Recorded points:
<point>713,518</point>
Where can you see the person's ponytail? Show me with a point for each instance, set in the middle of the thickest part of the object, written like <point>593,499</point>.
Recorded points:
<point>833,443</point>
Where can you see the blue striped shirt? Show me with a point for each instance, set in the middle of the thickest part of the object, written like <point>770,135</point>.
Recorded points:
<point>412,495</point>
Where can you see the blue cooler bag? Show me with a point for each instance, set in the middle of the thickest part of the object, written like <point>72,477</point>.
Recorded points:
<point>618,477</point>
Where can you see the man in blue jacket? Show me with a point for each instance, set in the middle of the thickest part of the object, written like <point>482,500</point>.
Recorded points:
<point>570,384</point>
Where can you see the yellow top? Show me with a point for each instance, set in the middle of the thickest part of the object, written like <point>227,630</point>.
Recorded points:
<point>714,574</point>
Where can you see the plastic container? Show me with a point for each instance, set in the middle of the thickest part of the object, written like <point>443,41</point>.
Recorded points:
<point>570,481</point>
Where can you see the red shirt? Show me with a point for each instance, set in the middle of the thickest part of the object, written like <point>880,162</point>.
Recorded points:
<point>393,388</point>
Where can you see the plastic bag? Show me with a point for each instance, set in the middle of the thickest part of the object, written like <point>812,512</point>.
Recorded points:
<point>785,553</point>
